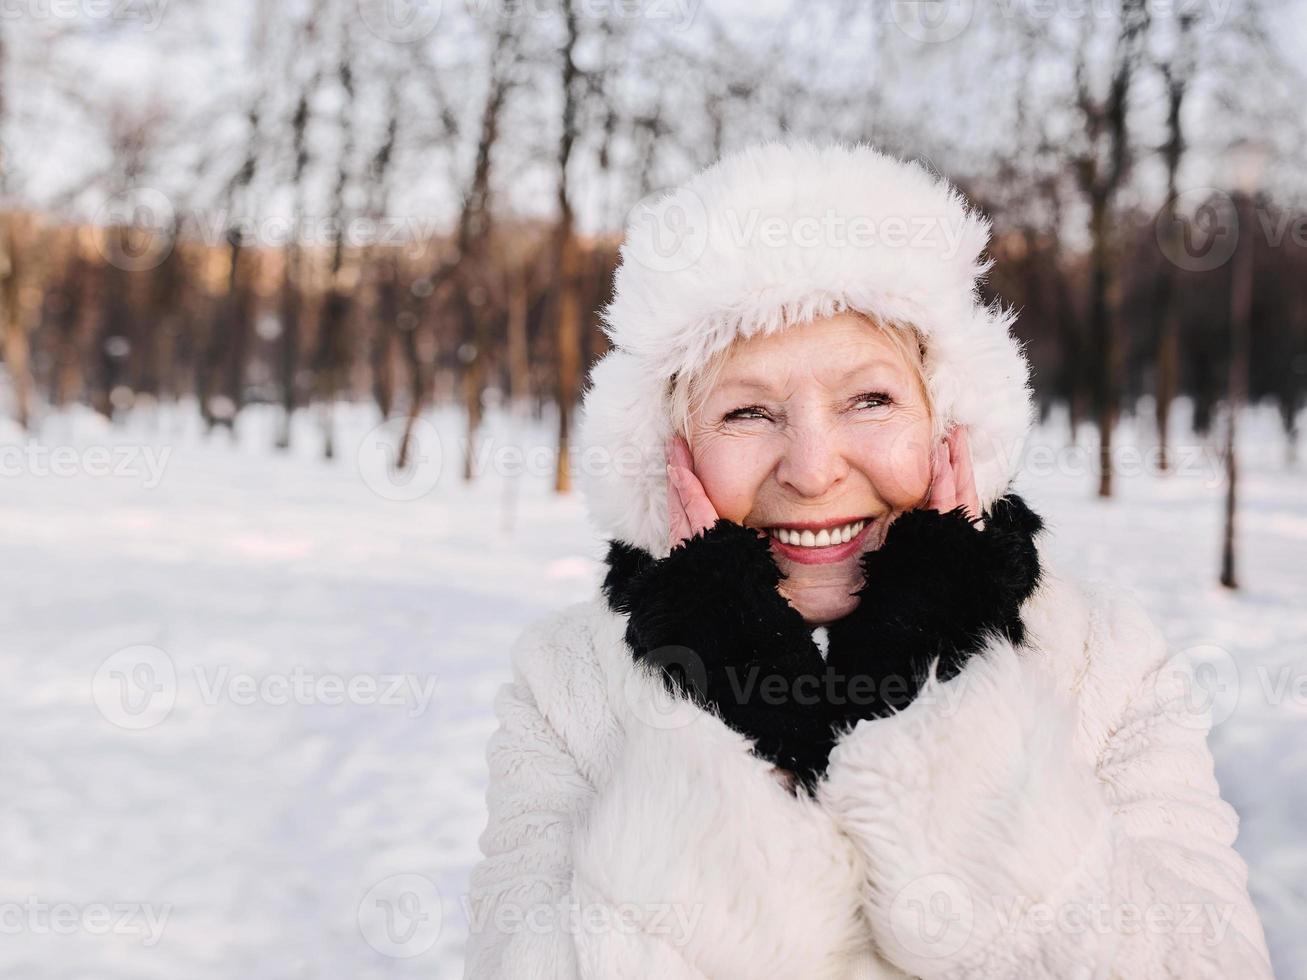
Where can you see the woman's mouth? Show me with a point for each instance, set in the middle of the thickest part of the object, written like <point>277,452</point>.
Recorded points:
<point>820,546</point>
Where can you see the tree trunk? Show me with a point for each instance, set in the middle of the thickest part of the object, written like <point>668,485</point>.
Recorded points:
<point>14,321</point>
<point>1241,302</point>
<point>1103,336</point>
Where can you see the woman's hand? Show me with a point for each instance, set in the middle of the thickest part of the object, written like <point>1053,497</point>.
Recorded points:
<point>689,510</point>
<point>953,481</point>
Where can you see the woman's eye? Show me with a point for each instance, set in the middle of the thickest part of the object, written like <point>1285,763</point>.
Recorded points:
<point>744,413</point>
<point>878,398</point>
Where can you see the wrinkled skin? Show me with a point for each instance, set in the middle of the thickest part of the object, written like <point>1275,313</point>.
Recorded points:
<point>810,446</point>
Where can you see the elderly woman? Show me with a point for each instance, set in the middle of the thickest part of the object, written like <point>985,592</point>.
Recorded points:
<point>834,713</point>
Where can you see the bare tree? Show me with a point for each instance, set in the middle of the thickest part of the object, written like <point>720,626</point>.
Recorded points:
<point>567,317</point>
<point>332,354</point>
<point>1101,170</point>
<point>14,324</point>
<point>1177,72</point>
<point>291,289</point>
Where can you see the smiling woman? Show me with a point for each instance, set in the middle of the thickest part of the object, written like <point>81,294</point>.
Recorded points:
<point>826,429</point>
<point>689,390</point>
<point>984,746</point>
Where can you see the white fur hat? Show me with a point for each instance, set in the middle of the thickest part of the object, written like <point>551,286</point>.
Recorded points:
<point>776,235</point>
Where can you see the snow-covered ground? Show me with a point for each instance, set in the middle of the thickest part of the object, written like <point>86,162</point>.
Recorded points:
<point>244,696</point>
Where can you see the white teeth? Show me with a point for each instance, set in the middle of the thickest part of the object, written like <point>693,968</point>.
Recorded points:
<point>822,539</point>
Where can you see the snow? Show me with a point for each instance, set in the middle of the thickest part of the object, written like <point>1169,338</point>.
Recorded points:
<point>244,695</point>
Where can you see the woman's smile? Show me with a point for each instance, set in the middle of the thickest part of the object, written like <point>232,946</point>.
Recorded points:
<point>821,437</point>
<point>820,542</point>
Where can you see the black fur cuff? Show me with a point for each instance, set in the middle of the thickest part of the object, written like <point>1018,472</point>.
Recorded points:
<point>935,588</point>
<point>710,617</point>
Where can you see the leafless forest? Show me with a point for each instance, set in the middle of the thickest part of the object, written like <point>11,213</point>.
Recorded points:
<point>299,203</point>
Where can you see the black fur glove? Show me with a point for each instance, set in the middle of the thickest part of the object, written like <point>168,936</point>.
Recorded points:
<point>935,588</point>
<point>710,617</point>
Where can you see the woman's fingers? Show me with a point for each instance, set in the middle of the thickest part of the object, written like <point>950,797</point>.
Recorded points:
<point>942,485</point>
<point>954,483</point>
<point>678,522</point>
<point>698,508</point>
<point>964,477</point>
<point>688,505</point>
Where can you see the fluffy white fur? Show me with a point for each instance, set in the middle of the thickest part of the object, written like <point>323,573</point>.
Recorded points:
<point>775,236</point>
<point>1034,776</point>
<point>1066,772</point>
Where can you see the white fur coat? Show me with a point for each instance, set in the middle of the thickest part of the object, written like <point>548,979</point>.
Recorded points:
<point>1048,812</point>
<point>1051,811</point>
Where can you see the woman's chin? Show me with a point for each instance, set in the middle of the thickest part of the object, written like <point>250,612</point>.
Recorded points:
<point>824,608</point>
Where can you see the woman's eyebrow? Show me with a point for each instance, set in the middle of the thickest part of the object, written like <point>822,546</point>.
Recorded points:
<point>759,384</point>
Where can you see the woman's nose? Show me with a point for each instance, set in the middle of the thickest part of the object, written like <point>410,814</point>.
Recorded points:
<point>812,463</point>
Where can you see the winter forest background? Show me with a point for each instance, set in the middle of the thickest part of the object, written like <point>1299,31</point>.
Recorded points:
<point>296,304</point>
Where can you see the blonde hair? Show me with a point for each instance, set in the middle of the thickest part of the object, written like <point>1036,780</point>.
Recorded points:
<point>689,392</point>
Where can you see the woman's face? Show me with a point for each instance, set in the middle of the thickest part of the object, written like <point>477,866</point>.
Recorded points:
<point>818,426</point>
